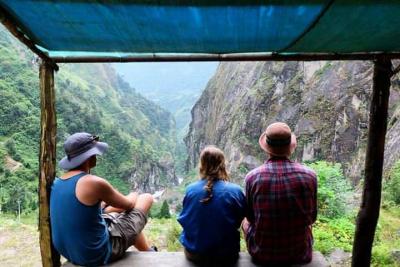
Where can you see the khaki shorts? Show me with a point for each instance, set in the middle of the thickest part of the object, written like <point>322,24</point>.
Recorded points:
<point>123,229</point>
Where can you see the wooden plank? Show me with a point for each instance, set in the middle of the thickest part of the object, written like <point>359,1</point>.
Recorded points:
<point>47,162</point>
<point>371,198</point>
<point>177,259</point>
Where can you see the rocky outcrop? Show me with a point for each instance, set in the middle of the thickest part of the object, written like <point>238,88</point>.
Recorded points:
<point>151,176</point>
<point>325,103</point>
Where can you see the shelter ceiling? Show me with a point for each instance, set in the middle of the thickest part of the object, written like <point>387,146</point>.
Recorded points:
<point>122,28</point>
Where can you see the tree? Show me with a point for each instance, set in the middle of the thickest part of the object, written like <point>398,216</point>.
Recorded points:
<point>164,212</point>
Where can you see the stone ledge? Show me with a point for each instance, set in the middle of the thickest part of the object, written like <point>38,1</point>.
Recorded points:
<point>177,259</point>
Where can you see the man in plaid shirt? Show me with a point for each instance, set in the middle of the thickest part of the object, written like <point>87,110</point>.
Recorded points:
<point>282,203</point>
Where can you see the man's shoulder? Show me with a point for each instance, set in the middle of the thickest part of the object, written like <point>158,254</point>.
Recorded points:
<point>255,172</point>
<point>93,181</point>
<point>92,178</point>
<point>301,168</point>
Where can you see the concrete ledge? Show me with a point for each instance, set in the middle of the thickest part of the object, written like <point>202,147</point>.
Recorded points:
<point>177,259</point>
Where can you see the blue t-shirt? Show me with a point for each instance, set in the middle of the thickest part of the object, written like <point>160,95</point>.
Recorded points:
<point>212,227</point>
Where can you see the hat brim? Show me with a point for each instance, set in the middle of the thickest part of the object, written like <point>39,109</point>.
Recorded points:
<point>68,164</point>
<point>284,151</point>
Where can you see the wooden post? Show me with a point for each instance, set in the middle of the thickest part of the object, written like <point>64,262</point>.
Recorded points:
<point>47,162</point>
<point>371,199</point>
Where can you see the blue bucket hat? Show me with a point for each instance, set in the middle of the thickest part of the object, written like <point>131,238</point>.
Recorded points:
<point>79,147</point>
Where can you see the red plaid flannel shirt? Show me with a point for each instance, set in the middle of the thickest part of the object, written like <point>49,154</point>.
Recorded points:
<point>282,206</point>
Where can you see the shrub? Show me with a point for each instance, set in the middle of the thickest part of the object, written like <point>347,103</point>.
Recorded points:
<point>173,233</point>
<point>10,146</point>
<point>392,185</point>
<point>164,211</point>
<point>333,189</point>
<point>333,233</point>
<point>154,210</point>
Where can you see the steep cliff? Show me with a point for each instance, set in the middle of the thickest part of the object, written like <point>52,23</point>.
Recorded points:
<point>325,103</point>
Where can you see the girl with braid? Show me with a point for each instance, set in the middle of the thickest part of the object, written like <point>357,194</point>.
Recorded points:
<point>212,212</point>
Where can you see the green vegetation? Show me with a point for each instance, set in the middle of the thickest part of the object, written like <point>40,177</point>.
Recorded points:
<point>91,98</point>
<point>164,211</point>
<point>164,233</point>
<point>392,186</point>
<point>333,189</point>
<point>336,220</point>
<point>333,233</point>
<point>160,211</point>
<point>335,224</point>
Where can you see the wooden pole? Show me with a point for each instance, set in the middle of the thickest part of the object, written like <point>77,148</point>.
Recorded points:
<point>371,199</point>
<point>47,162</point>
<point>159,57</point>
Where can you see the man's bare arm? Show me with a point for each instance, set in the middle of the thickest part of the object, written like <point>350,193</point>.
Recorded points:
<point>107,209</point>
<point>106,192</point>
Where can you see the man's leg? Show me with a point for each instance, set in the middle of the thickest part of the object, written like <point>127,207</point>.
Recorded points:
<point>107,209</point>
<point>141,243</point>
<point>143,203</point>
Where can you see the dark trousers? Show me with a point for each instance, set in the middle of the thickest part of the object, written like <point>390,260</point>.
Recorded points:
<point>207,260</point>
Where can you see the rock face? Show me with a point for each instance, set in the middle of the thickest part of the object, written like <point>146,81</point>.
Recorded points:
<point>325,103</point>
<point>151,176</point>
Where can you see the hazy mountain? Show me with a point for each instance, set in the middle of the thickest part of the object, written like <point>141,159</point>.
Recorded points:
<point>174,86</point>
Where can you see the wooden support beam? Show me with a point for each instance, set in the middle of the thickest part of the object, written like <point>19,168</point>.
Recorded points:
<point>8,22</point>
<point>47,162</point>
<point>371,199</point>
<point>226,57</point>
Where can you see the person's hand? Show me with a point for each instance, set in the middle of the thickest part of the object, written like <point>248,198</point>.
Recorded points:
<point>103,205</point>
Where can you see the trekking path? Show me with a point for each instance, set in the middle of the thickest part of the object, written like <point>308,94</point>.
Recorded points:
<point>177,259</point>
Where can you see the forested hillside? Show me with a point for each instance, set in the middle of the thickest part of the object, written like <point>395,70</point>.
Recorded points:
<point>89,97</point>
<point>175,86</point>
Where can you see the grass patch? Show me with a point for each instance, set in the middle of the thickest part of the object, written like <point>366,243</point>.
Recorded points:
<point>19,242</point>
<point>387,237</point>
<point>164,234</point>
